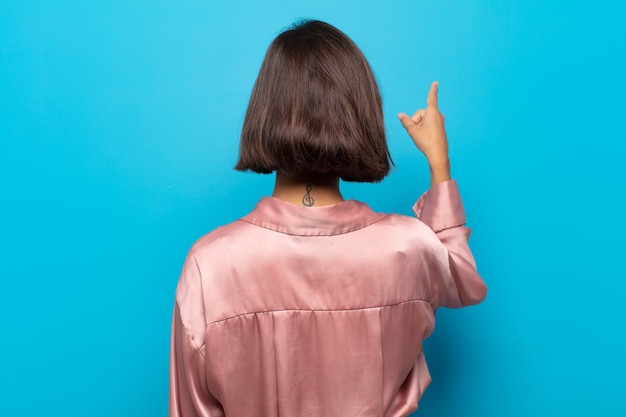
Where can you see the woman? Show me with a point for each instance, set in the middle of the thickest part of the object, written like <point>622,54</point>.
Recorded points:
<point>312,305</point>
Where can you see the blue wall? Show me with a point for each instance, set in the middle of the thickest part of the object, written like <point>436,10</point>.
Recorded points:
<point>119,124</point>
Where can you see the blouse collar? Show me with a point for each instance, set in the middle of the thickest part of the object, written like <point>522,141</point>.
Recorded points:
<point>281,216</point>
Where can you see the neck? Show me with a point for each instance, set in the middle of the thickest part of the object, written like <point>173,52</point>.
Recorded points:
<point>311,191</point>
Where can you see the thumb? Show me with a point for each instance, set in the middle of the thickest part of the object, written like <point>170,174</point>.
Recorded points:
<point>406,121</point>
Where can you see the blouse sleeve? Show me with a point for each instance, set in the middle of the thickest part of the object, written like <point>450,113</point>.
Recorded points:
<point>189,395</point>
<point>441,209</point>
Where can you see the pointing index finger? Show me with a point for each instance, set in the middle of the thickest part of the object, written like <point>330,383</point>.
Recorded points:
<point>431,101</point>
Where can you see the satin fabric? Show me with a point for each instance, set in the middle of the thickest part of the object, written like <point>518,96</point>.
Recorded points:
<point>317,311</point>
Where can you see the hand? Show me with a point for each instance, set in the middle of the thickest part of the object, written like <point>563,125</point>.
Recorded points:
<point>426,128</point>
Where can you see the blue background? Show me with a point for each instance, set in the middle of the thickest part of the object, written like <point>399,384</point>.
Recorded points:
<point>119,125</point>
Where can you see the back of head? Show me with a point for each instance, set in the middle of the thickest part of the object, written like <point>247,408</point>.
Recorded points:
<point>315,109</point>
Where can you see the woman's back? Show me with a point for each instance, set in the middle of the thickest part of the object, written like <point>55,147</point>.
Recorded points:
<point>295,311</point>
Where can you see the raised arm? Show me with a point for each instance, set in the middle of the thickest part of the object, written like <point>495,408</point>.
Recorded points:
<point>441,207</point>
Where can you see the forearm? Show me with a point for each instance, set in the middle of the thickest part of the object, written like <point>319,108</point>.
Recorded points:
<point>439,170</point>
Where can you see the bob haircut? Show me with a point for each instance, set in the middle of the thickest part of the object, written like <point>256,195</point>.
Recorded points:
<point>315,109</point>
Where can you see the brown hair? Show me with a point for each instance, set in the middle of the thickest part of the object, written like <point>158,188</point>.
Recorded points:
<point>315,109</point>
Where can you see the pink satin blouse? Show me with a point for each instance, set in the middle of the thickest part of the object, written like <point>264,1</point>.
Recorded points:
<point>296,311</point>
